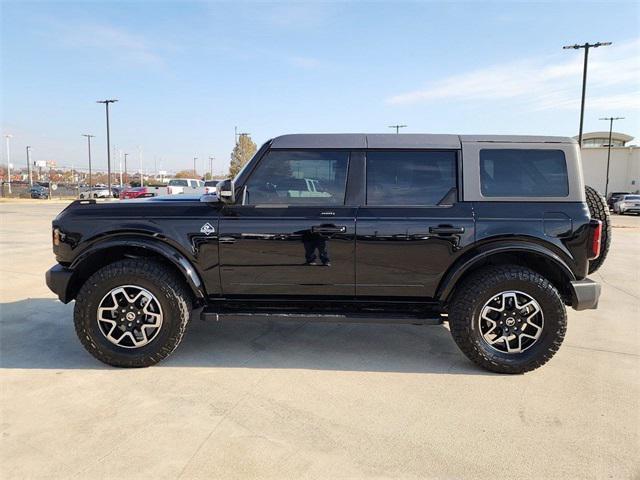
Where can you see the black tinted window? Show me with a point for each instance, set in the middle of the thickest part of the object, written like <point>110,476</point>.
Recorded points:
<point>409,178</point>
<point>299,177</point>
<point>523,173</point>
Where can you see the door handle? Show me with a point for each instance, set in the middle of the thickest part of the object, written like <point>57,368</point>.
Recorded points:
<point>328,229</point>
<point>446,230</point>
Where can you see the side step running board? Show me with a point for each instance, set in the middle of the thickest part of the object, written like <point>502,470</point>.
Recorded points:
<point>323,317</point>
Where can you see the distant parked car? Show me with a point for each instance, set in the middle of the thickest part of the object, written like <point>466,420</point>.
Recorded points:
<point>185,185</point>
<point>627,204</point>
<point>95,192</point>
<point>38,191</point>
<point>138,192</point>
<point>614,197</point>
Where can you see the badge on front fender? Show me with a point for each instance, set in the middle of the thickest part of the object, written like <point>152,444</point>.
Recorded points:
<point>207,229</point>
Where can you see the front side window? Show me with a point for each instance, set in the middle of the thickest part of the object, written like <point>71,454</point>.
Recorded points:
<point>299,177</point>
<point>419,178</point>
<point>178,183</point>
<point>523,173</point>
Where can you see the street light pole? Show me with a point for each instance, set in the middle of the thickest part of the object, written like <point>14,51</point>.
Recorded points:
<point>610,120</point>
<point>8,140</point>
<point>89,137</point>
<point>586,47</point>
<point>210,168</point>
<point>195,172</point>
<point>106,105</point>
<point>29,166</point>
<point>125,167</point>
<point>397,127</point>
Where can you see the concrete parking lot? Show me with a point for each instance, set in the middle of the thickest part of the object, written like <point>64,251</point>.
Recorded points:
<point>303,400</point>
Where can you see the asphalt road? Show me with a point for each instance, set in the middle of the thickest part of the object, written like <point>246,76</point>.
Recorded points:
<point>293,400</point>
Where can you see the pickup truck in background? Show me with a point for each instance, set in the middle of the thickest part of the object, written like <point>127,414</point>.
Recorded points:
<point>185,185</point>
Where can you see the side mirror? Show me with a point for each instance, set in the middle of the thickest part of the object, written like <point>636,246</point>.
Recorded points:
<point>226,191</point>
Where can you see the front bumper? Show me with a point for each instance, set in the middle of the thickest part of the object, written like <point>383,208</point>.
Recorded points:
<point>58,279</point>
<point>585,294</point>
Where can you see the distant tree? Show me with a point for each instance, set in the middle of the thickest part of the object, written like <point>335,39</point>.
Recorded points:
<point>185,174</point>
<point>241,154</point>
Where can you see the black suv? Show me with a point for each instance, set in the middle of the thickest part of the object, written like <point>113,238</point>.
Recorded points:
<point>494,235</point>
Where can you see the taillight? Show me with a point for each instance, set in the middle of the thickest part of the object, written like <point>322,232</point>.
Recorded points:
<point>596,239</point>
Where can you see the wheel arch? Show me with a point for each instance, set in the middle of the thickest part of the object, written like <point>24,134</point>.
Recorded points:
<point>533,256</point>
<point>113,249</point>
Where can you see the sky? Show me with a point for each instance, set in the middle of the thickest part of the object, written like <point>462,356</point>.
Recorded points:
<point>186,73</point>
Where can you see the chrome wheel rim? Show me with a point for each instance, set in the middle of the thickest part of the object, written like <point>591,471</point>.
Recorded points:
<point>129,316</point>
<point>511,322</point>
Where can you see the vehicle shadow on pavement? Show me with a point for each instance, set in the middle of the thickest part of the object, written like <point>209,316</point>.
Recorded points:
<point>39,334</point>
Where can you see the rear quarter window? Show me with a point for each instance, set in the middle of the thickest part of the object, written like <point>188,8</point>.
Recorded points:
<point>523,173</point>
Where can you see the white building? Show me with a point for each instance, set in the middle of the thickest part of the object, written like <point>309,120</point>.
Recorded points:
<point>624,167</point>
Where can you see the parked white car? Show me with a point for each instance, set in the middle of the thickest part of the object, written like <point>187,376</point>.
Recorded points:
<point>95,192</point>
<point>627,204</point>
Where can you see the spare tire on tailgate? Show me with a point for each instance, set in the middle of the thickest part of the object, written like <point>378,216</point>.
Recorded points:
<point>599,210</point>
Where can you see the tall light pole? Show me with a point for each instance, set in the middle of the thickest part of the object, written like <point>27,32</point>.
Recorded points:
<point>610,120</point>
<point>125,166</point>
<point>195,172</point>
<point>29,166</point>
<point>89,137</point>
<point>397,127</point>
<point>106,105</point>
<point>8,140</point>
<point>586,47</point>
<point>211,168</point>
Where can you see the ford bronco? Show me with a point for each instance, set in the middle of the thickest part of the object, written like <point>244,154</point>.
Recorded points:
<point>493,235</point>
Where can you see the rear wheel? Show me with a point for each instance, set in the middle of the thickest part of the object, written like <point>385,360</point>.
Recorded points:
<point>507,319</point>
<point>599,210</point>
<point>132,313</point>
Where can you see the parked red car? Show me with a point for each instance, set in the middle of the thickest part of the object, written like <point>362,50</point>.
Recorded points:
<point>136,192</point>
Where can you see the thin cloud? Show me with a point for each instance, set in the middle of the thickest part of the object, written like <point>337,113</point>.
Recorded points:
<point>131,47</point>
<point>542,83</point>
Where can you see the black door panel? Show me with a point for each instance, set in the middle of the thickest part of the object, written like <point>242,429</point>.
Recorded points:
<point>405,251</point>
<point>289,251</point>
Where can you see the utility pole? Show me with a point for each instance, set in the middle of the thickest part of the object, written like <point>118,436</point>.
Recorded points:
<point>125,166</point>
<point>106,105</point>
<point>235,135</point>
<point>195,173</point>
<point>397,127</point>
<point>29,166</point>
<point>610,120</point>
<point>210,168</point>
<point>140,159</point>
<point>8,140</point>
<point>586,47</point>
<point>120,165</point>
<point>89,137</point>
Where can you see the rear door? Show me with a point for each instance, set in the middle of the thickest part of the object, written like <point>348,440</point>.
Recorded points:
<point>290,232</point>
<point>412,226</point>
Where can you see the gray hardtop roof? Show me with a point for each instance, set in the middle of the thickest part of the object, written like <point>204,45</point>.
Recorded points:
<point>403,140</point>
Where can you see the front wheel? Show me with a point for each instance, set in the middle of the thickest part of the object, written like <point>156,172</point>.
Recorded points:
<point>508,319</point>
<point>132,313</point>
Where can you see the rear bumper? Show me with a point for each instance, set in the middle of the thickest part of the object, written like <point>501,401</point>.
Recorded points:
<point>58,279</point>
<point>585,294</point>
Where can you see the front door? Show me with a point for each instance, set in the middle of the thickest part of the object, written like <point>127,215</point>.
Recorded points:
<point>290,232</point>
<point>411,228</point>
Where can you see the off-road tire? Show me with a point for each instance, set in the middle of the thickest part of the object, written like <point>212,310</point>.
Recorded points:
<point>471,295</point>
<point>170,291</point>
<point>599,210</point>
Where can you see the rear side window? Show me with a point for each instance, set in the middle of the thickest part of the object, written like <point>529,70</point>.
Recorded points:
<point>523,173</point>
<point>299,177</point>
<point>419,178</point>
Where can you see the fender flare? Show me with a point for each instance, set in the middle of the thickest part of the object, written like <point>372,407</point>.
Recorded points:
<point>464,265</point>
<point>168,252</point>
